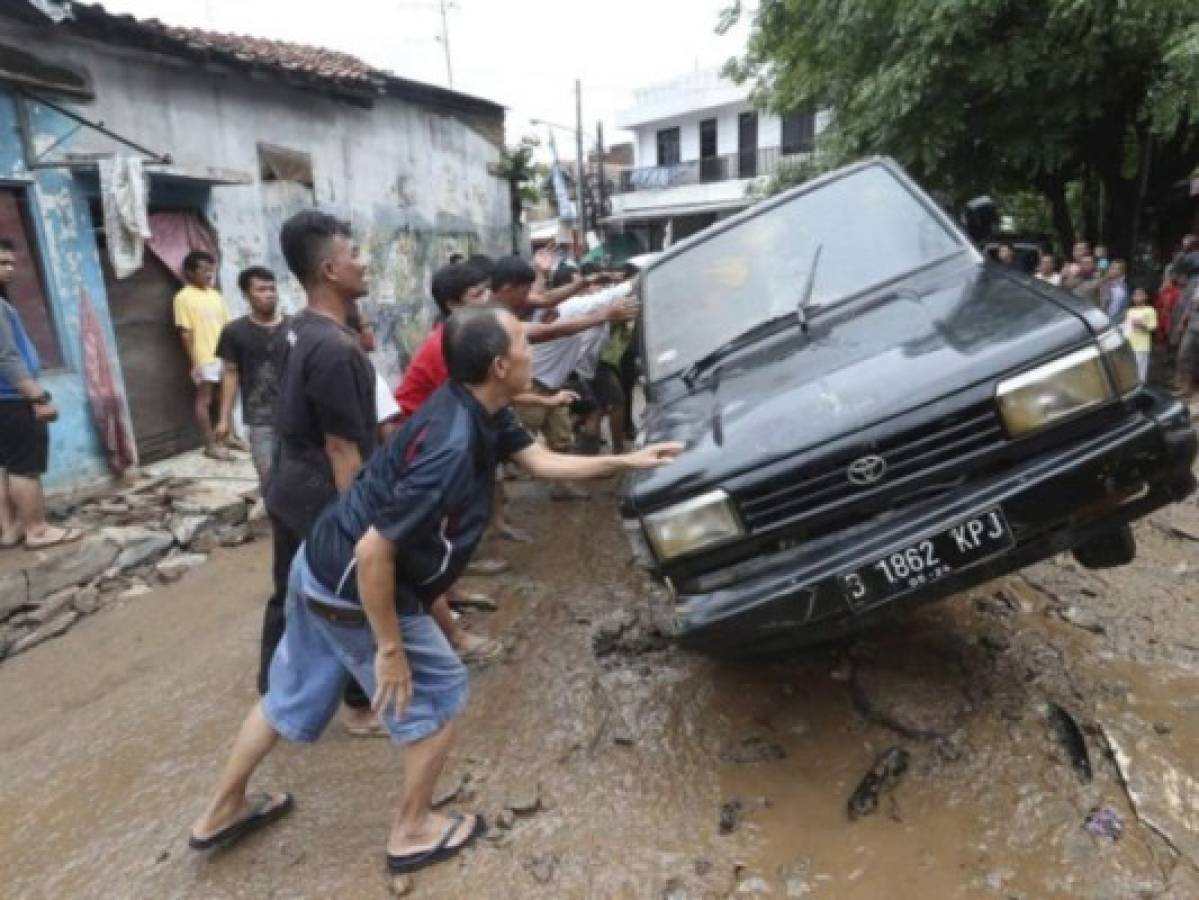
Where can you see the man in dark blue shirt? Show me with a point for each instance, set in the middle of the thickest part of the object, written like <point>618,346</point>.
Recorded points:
<point>374,561</point>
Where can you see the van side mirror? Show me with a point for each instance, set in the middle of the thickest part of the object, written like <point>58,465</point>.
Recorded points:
<point>980,217</point>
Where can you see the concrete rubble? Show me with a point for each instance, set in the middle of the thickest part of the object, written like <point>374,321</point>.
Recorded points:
<point>154,531</point>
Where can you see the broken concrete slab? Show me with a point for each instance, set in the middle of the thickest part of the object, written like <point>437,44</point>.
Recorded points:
<point>14,593</point>
<point>72,564</point>
<point>51,606</point>
<point>51,629</point>
<point>1157,775</point>
<point>87,599</point>
<point>153,545</point>
<point>185,526</point>
<point>174,566</point>
<point>221,502</point>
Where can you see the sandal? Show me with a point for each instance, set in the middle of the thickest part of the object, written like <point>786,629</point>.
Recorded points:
<point>66,536</point>
<point>411,862</point>
<point>488,650</point>
<point>261,813</point>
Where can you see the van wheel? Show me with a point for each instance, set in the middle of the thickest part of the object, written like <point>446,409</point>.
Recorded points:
<point>1115,548</point>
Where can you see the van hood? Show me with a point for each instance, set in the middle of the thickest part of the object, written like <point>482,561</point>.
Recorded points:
<point>860,364</point>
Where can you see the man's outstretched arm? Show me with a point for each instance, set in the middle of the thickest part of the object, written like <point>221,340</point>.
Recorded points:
<point>542,463</point>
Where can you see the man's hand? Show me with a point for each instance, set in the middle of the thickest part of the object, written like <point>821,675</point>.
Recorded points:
<point>653,455</point>
<point>393,681</point>
<point>45,412</point>
<point>562,398</point>
<point>197,374</point>
<point>624,311</point>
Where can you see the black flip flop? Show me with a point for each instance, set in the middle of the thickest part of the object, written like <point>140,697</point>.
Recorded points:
<point>261,813</point>
<point>411,862</point>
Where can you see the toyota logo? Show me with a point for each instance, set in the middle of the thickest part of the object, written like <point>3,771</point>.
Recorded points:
<point>867,470</point>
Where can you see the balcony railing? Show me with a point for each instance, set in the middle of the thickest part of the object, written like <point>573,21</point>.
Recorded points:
<point>730,167</point>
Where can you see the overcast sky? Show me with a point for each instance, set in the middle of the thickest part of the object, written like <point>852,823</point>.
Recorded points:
<point>523,54</point>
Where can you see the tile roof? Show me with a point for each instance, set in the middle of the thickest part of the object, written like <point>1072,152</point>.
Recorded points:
<point>317,66</point>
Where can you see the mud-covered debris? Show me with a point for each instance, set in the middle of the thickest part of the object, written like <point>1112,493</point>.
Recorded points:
<point>753,749</point>
<point>752,886</point>
<point>797,877</point>
<point>505,819</point>
<point>234,535</point>
<point>674,889</point>
<point>730,817</point>
<point>883,775</point>
<point>918,692</point>
<point>542,867</point>
<point>626,633</point>
<point>1070,736</point>
<point>1161,728</point>
<point>702,866</point>
<point>472,600</point>
<point>401,885</point>
<point>1082,618</point>
<point>1104,822</point>
<point>173,567</point>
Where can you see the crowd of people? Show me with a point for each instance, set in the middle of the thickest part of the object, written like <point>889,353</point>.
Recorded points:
<point>378,501</point>
<point>1164,318</point>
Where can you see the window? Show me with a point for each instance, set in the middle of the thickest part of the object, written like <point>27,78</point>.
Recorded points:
<point>27,290</point>
<point>799,133</point>
<point>281,164</point>
<point>668,147</point>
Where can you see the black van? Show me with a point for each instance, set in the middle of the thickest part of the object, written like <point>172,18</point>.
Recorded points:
<point>876,415</point>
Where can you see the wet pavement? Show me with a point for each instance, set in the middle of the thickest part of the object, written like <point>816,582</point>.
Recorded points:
<point>646,771</point>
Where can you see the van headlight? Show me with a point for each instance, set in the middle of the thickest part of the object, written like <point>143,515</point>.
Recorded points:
<point>1054,391</point>
<point>1121,360</point>
<point>694,524</point>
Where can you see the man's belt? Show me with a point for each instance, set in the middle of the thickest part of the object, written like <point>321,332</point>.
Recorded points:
<point>338,615</point>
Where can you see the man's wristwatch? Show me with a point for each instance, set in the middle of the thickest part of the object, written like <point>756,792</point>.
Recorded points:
<point>42,399</point>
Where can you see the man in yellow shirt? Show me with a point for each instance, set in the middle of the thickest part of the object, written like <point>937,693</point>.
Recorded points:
<point>200,315</point>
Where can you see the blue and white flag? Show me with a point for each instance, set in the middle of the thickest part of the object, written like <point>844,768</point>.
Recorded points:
<point>566,206</point>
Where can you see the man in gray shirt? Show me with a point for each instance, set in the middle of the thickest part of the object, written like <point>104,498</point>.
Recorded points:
<point>25,410</point>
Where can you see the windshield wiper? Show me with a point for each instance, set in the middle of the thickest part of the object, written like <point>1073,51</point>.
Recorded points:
<point>744,339</point>
<point>801,311</point>
<point>761,330</point>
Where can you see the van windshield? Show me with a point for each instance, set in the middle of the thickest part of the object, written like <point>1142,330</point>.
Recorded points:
<point>868,225</point>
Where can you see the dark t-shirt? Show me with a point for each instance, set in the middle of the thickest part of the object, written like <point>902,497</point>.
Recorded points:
<point>258,351</point>
<point>428,492</point>
<point>327,387</point>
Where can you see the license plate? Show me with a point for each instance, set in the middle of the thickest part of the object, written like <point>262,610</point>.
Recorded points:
<point>928,560</point>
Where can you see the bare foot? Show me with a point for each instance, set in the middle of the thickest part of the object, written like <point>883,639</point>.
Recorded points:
<point>362,722</point>
<point>429,833</point>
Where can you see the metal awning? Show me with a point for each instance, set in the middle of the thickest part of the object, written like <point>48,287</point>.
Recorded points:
<point>652,213</point>
<point>179,170</point>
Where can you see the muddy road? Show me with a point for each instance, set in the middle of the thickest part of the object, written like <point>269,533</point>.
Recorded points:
<point>645,771</point>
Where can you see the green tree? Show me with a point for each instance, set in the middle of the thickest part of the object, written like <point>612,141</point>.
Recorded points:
<point>997,96</point>
<point>524,175</point>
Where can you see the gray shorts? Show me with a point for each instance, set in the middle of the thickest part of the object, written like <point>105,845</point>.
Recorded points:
<point>316,658</point>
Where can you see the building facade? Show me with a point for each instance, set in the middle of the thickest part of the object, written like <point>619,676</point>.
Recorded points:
<point>700,150</point>
<point>234,135</point>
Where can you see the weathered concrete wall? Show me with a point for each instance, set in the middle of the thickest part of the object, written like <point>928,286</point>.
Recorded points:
<point>62,228</point>
<point>413,182</point>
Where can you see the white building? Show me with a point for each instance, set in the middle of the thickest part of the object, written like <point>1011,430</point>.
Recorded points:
<point>700,148</point>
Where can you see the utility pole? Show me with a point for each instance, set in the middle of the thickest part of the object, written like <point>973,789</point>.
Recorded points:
<point>601,190</point>
<point>580,167</point>
<point>445,43</point>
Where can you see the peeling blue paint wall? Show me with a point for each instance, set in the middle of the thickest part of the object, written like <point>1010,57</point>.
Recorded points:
<point>63,234</point>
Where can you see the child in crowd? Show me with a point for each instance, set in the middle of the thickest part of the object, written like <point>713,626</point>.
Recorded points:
<point>1140,323</point>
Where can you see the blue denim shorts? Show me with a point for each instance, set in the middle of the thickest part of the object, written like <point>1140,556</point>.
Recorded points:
<point>316,657</point>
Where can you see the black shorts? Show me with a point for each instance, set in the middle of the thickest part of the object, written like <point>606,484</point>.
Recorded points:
<point>24,441</point>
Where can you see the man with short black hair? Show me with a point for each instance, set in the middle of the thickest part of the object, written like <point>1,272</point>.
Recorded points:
<point>26,409</point>
<point>252,349</point>
<point>360,589</point>
<point>200,315</point>
<point>325,416</point>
